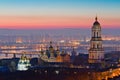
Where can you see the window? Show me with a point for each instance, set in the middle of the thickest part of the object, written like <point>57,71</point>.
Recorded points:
<point>97,34</point>
<point>94,34</point>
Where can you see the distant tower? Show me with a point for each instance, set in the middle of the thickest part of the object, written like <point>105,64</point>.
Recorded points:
<point>96,52</point>
<point>52,57</point>
<point>73,55</point>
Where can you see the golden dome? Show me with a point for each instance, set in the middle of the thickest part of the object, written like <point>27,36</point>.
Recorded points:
<point>96,24</point>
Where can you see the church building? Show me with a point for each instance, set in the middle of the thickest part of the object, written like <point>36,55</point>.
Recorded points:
<point>96,52</point>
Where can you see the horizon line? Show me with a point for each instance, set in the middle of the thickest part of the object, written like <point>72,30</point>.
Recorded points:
<point>54,28</point>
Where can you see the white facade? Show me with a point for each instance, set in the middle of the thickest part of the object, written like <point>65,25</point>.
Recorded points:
<point>23,63</point>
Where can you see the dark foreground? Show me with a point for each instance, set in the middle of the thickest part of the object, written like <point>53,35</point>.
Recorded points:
<point>49,74</point>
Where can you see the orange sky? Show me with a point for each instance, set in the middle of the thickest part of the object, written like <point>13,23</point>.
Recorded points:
<point>22,22</point>
<point>25,14</point>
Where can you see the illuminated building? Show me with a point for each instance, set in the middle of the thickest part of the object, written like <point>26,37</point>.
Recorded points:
<point>52,55</point>
<point>51,50</point>
<point>59,57</point>
<point>96,52</point>
<point>66,58</point>
<point>19,40</point>
<point>23,63</point>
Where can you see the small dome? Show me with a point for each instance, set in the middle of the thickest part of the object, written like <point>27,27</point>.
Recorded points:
<point>51,44</point>
<point>96,23</point>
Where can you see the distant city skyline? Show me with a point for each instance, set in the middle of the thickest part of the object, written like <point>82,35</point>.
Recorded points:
<point>55,14</point>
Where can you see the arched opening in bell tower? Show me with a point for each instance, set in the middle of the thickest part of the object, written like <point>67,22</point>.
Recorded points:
<point>97,34</point>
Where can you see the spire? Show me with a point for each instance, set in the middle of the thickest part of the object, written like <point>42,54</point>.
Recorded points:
<point>96,18</point>
<point>50,44</point>
<point>51,49</point>
<point>57,50</point>
<point>42,50</point>
<point>96,22</point>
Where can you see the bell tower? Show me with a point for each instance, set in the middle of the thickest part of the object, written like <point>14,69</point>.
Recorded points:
<point>96,52</point>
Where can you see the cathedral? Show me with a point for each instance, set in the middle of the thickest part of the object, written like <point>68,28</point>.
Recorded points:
<point>52,55</point>
<point>23,64</point>
<point>96,52</point>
